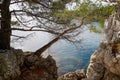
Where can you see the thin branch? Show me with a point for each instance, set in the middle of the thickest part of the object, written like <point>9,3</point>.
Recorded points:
<point>41,50</point>
<point>41,4</point>
<point>48,31</point>
<point>37,16</point>
<point>20,20</point>
<point>17,11</point>
<point>18,36</point>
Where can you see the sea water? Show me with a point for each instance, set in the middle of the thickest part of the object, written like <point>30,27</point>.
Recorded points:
<point>69,57</point>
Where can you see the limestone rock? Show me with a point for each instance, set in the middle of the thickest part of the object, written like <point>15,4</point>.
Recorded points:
<point>77,75</point>
<point>105,62</point>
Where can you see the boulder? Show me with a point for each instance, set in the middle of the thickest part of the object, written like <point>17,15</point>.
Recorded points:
<point>10,61</point>
<point>16,65</point>
<point>77,75</point>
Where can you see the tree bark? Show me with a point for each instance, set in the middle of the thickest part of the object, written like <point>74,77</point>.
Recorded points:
<point>5,25</point>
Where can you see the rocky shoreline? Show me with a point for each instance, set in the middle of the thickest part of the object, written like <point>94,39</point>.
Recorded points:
<point>105,62</point>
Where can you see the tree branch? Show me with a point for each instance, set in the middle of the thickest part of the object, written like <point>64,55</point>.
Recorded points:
<point>36,16</point>
<point>20,37</point>
<point>44,48</point>
<point>19,20</point>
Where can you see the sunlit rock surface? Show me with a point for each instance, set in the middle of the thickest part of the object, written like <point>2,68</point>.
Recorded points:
<point>105,62</point>
<point>77,75</point>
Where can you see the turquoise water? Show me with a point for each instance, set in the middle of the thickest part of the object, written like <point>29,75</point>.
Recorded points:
<point>70,57</point>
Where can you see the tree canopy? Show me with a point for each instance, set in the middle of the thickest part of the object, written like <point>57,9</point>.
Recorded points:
<point>51,16</point>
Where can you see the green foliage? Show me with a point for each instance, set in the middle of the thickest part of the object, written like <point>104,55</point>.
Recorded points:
<point>79,11</point>
<point>95,12</point>
<point>94,29</point>
<point>66,16</point>
<point>103,13</point>
<point>59,5</point>
<point>100,15</point>
<point>30,2</point>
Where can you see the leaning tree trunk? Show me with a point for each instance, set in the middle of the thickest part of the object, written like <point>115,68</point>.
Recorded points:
<point>5,31</point>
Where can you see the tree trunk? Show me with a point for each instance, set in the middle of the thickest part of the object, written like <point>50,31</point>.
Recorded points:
<point>5,31</point>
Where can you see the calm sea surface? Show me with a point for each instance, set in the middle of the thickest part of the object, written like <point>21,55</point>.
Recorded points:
<point>68,56</point>
<point>71,57</point>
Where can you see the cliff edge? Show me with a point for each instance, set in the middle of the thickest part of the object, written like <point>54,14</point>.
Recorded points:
<point>105,62</point>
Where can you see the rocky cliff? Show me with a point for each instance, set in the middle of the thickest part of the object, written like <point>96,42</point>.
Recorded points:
<point>105,62</point>
<point>15,65</point>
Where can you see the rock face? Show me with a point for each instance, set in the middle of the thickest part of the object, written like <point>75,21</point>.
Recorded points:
<point>9,64</point>
<point>105,62</point>
<point>40,69</point>
<point>14,65</point>
<point>77,75</point>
